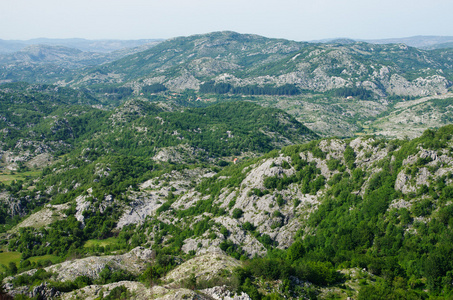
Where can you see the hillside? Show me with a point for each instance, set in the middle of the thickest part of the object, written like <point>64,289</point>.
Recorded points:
<point>250,61</point>
<point>38,119</point>
<point>340,203</point>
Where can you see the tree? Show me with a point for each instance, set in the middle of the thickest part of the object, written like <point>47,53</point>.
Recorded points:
<point>295,251</point>
<point>12,268</point>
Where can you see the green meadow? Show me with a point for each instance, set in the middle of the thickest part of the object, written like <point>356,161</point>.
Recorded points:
<point>101,243</point>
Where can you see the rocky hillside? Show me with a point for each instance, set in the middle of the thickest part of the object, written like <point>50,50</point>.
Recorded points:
<point>40,124</point>
<point>313,209</point>
<point>249,61</point>
<point>176,285</point>
<point>33,124</point>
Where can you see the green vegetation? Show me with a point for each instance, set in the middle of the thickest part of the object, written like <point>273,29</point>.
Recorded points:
<point>360,93</point>
<point>9,177</point>
<point>225,88</point>
<point>9,257</point>
<point>101,243</point>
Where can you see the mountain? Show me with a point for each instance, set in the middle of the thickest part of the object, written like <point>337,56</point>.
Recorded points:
<point>57,55</point>
<point>339,89</point>
<point>245,62</point>
<point>422,42</point>
<point>66,57</point>
<point>103,46</point>
<point>10,46</point>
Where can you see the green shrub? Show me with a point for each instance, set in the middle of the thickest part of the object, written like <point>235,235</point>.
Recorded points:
<point>237,213</point>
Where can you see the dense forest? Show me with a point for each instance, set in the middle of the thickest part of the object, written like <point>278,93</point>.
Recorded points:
<point>225,88</point>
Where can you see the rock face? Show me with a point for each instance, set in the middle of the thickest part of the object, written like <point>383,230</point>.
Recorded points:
<point>139,291</point>
<point>45,216</point>
<point>43,292</point>
<point>204,267</point>
<point>222,293</point>
<point>133,262</point>
<point>437,166</point>
<point>91,292</point>
<point>153,194</point>
<point>13,205</point>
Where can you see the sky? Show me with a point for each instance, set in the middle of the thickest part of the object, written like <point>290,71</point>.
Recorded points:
<point>299,20</point>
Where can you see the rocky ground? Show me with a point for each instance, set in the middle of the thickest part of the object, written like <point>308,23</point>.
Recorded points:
<point>203,268</point>
<point>408,119</point>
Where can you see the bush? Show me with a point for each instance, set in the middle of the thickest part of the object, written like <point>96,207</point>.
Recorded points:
<point>271,269</point>
<point>317,272</point>
<point>237,213</point>
<point>248,226</point>
<point>349,157</point>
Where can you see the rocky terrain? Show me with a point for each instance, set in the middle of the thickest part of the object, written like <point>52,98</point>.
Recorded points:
<point>410,118</point>
<point>203,267</point>
<point>264,205</point>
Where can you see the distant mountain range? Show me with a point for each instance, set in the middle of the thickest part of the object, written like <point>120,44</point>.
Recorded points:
<point>104,46</point>
<point>425,42</point>
<point>419,41</point>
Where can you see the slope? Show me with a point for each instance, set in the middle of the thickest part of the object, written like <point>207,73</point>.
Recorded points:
<point>249,61</point>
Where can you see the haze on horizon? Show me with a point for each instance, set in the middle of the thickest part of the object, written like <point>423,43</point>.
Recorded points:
<point>300,20</point>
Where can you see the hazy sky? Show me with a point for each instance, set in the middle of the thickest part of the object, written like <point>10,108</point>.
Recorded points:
<point>299,20</point>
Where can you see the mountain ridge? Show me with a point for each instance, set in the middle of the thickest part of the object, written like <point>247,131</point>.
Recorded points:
<point>242,60</point>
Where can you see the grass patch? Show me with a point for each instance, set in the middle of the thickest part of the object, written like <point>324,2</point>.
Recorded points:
<point>101,243</point>
<point>15,257</point>
<point>7,177</point>
<point>7,257</point>
<point>54,259</point>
